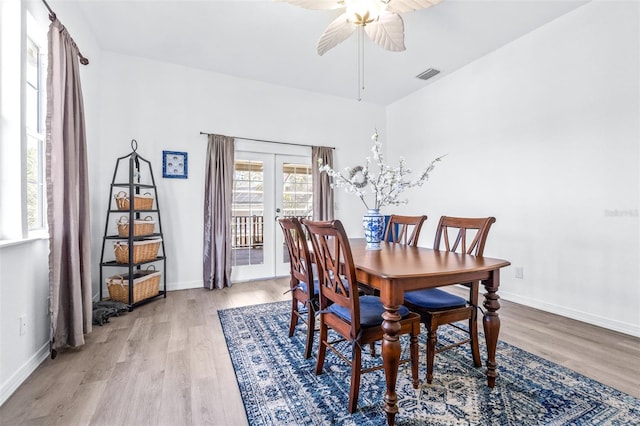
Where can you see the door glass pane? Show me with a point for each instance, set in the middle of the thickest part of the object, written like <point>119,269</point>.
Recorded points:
<point>297,194</point>
<point>247,238</point>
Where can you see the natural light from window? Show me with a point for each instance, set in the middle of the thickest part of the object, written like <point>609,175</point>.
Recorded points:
<point>35,94</point>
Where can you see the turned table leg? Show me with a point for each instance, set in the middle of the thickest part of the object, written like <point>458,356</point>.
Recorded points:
<point>491,324</point>
<point>391,359</point>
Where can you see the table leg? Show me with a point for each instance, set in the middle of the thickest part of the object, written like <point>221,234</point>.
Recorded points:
<point>391,359</point>
<point>491,324</point>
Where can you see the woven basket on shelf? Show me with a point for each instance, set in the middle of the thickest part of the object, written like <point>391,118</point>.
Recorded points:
<point>145,284</point>
<point>143,250</point>
<point>140,202</point>
<point>140,227</point>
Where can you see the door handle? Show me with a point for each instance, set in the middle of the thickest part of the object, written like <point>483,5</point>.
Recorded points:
<point>276,218</point>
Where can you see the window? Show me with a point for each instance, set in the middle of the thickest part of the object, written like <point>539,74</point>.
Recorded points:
<point>35,113</point>
<point>298,191</point>
<point>22,122</point>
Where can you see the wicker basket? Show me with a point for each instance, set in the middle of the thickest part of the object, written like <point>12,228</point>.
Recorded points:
<point>145,284</point>
<point>140,202</point>
<point>143,250</point>
<point>140,227</point>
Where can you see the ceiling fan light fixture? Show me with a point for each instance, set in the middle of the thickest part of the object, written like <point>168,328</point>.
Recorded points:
<point>363,12</point>
<point>380,19</point>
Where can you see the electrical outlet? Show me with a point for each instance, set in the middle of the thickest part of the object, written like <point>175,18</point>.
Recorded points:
<point>519,272</point>
<point>23,325</point>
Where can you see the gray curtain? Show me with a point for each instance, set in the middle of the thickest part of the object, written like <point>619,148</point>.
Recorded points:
<point>67,195</point>
<point>322,191</point>
<point>218,196</point>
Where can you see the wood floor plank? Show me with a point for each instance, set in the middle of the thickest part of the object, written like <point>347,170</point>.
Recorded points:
<point>145,402</point>
<point>167,363</point>
<point>176,399</point>
<point>82,406</point>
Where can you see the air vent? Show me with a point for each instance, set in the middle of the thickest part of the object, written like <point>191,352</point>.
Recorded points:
<point>428,74</point>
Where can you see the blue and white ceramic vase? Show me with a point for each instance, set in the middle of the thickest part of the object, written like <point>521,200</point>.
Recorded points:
<point>373,224</point>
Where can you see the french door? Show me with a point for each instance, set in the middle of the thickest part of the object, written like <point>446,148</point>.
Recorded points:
<point>266,186</point>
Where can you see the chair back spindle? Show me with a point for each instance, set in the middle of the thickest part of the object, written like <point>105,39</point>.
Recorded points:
<point>454,232</point>
<point>404,229</point>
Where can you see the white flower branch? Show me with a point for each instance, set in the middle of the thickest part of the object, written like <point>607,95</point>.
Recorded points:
<point>386,185</point>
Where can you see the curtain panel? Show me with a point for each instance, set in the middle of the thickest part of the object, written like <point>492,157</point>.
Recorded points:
<point>67,195</point>
<point>322,191</point>
<point>218,197</point>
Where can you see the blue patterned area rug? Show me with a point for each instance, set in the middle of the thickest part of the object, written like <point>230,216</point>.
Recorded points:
<point>279,387</point>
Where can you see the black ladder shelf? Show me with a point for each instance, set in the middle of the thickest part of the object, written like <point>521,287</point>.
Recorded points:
<point>137,166</point>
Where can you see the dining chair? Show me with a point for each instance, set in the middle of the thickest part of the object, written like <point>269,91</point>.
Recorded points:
<point>302,286</point>
<point>404,229</point>
<point>357,319</point>
<point>438,307</point>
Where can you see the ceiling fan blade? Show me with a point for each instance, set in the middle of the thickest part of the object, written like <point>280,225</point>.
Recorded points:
<point>387,32</point>
<point>337,32</point>
<point>399,6</point>
<point>315,4</point>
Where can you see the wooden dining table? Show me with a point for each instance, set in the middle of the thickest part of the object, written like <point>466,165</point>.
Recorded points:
<point>398,268</point>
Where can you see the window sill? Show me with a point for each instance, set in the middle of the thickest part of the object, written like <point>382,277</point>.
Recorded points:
<point>35,236</point>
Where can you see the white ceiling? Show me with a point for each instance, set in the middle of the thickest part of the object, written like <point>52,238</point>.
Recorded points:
<point>275,42</point>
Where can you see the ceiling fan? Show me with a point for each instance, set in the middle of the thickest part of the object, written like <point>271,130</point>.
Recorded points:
<point>379,18</point>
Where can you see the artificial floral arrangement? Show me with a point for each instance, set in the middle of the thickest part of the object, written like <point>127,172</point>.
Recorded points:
<point>386,186</point>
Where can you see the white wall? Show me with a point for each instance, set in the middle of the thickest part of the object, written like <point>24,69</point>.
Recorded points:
<point>543,134</point>
<point>24,288</point>
<point>165,106</point>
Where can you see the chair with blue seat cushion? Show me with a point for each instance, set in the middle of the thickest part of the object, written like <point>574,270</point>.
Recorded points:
<point>355,318</point>
<point>303,284</point>
<point>371,310</point>
<point>438,307</point>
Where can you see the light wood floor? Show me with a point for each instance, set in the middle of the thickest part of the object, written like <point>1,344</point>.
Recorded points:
<point>167,363</point>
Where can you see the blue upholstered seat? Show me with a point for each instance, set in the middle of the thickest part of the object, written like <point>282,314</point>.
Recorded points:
<point>434,298</point>
<point>316,286</point>
<point>371,310</point>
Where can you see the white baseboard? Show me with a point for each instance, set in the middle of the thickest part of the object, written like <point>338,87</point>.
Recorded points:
<point>587,317</point>
<point>184,285</point>
<point>9,387</point>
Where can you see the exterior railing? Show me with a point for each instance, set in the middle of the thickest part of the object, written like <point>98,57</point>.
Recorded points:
<point>248,231</point>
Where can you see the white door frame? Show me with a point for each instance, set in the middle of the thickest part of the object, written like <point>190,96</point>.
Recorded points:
<point>272,156</point>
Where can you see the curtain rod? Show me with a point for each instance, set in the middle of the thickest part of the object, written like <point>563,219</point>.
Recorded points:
<point>264,140</point>
<point>52,17</point>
